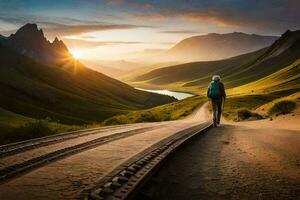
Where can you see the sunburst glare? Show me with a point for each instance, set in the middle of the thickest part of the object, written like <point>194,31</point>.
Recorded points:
<point>76,54</point>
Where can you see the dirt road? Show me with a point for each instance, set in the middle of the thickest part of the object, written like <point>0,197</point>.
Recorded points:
<point>251,160</point>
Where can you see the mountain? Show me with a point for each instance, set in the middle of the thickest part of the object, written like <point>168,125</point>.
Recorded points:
<point>215,46</point>
<point>235,71</point>
<point>40,79</point>
<point>31,42</point>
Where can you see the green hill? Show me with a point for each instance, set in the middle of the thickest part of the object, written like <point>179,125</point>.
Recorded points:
<point>167,112</point>
<point>287,78</point>
<point>235,71</point>
<point>64,90</point>
<point>10,120</point>
<point>69,93</point>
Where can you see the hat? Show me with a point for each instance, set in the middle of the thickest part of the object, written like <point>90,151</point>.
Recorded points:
<point>216,78</point>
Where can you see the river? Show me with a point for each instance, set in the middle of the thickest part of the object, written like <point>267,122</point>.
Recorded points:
<point>177,95</point>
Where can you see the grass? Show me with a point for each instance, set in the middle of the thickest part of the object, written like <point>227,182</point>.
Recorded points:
<point>282,107</point>
<point>24,128</point>
<point>243,114</point>
<point>69,93</point>
<point>236,108</point>
<point>191,77</point>
<point>38,100</point>
<point>196,72</point>
<point>11,120</point>
<point>171,111</point>
<point>29,130</point>
<point>286,78</point>
<point>266,108</point>
<point>34,129</point>
<point>77,95</point>
<point>15,127</point>
<point>263,71</point>
<point>234,104</point>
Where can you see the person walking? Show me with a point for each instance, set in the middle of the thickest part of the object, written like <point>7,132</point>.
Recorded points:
<point>216,93</point>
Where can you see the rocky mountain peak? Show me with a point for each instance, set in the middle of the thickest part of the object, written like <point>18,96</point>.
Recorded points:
<point>29,32</point>
<point>28,28</point>
<point>59,45</point>
<point>29,40</point>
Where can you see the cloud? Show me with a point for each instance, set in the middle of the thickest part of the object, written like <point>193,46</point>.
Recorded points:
<point>63,26</point>
<point>267,16</point>
<point>181,32</point>
<point>272,16</point>
<point>80,43</point>
<point>150,16</point>
<point>237,19</point>
<point>67,30</point>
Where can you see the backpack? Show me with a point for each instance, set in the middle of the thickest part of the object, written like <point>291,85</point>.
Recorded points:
<point>214,90</point>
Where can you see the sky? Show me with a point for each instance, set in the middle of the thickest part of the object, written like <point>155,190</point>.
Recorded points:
<point>124,29</point>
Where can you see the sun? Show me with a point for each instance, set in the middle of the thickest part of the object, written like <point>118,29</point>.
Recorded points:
<point>76,54</point>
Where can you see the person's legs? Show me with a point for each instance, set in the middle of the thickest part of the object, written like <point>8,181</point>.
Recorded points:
<point>214,110</point>
<point>219,106</point>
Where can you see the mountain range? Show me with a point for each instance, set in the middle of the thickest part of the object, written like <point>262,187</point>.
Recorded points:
<point>40,79</point>
<point>31,42</point>
<point>212,46</point>
<point>235,71</point>
<point>215,46</point>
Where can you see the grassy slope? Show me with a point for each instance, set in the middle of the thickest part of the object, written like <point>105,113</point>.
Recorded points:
<point>179,77</point>
<point>70,93</point>
<point>236,71</point>
<point>251,102</point>
<point>171,111</point>
<point>11,122</point>
<point>265,92</point>
<point>255,79</point>
<point>284,79</point>
<point>21,128</point>
<point>263,110</point>
<point>127,77</point>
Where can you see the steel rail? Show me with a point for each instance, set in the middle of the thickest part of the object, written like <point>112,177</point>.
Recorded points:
<point>11,149</point>
<point>9,172</point>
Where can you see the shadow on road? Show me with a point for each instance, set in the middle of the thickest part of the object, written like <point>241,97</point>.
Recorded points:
<point>228,162</point>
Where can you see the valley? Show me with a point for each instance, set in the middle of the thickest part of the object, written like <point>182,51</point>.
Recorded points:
<point>44,82</point>
<point>149,100</point>
<point>59,93</point>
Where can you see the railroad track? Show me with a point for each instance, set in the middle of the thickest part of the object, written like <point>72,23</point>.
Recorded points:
<point>124,182</point>
<point>11,149</point>
<point>11,171</point>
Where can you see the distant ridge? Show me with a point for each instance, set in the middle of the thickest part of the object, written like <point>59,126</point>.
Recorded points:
<point>235,71</point>
<point>215,46</point>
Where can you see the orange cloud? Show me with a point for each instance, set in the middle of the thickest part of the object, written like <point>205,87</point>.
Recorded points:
<point>223,17</point>
<point>180,32</point>
<point>81,43</point>
<point>152,16</point>
<point>68,30</point>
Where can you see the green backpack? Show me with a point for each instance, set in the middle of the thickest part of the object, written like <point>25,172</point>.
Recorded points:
<point>214,90</point>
